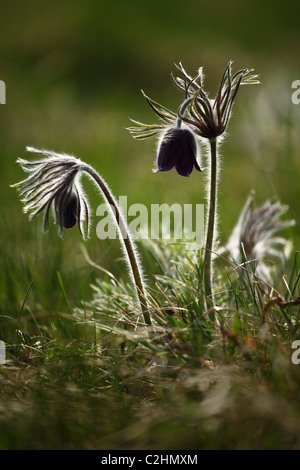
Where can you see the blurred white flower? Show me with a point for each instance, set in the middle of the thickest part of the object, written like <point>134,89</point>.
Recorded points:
<point>253,238</point>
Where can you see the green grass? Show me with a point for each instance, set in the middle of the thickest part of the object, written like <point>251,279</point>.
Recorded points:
<point>88,379</point>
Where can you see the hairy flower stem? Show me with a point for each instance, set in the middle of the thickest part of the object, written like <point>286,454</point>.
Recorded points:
<point>181,112</point>
<point>211,226</point>
<point>128,243</point>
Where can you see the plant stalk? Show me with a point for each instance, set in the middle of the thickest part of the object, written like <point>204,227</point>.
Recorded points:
<point>211,226</point>
<point>128,242</point>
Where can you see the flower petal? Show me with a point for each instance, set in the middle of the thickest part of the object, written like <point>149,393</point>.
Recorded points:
<point>169,149</point>
<point>178,148</point>
<point>69,212</point>
<point>196,165</point>
<point>184,166</point>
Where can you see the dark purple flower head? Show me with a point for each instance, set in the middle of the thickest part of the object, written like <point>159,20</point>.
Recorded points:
<point>69,210</point>
<point>178,149</point>
<point>54,183</point>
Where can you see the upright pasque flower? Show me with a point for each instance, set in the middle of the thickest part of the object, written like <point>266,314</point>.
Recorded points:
<point>177,147</point>
<point>207,118</point>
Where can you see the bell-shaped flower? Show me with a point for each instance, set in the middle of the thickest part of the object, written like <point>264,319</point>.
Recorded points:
<point>177,146</point>
<point>177,149</point>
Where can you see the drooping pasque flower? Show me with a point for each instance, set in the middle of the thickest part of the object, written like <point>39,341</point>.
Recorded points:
<point>53,182</point>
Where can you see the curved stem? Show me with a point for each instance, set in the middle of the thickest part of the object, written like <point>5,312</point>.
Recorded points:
<point>181,112</point>
<point>211,223</point>
<point>132,259</point>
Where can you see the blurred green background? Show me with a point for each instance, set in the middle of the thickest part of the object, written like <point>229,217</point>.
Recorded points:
<point>73,74</point>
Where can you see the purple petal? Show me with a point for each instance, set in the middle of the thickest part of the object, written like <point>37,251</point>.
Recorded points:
<point>69,211</point>
<point>178,148</point>
<point>169,150</point>
<point>196,165</point>
<point>184,166</point>
<point>70,222</point>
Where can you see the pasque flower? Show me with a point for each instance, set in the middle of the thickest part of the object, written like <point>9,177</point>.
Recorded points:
<point>254,238</point>
<point>207,118</point>
<point>54,182</point>
<point>177,147</point>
